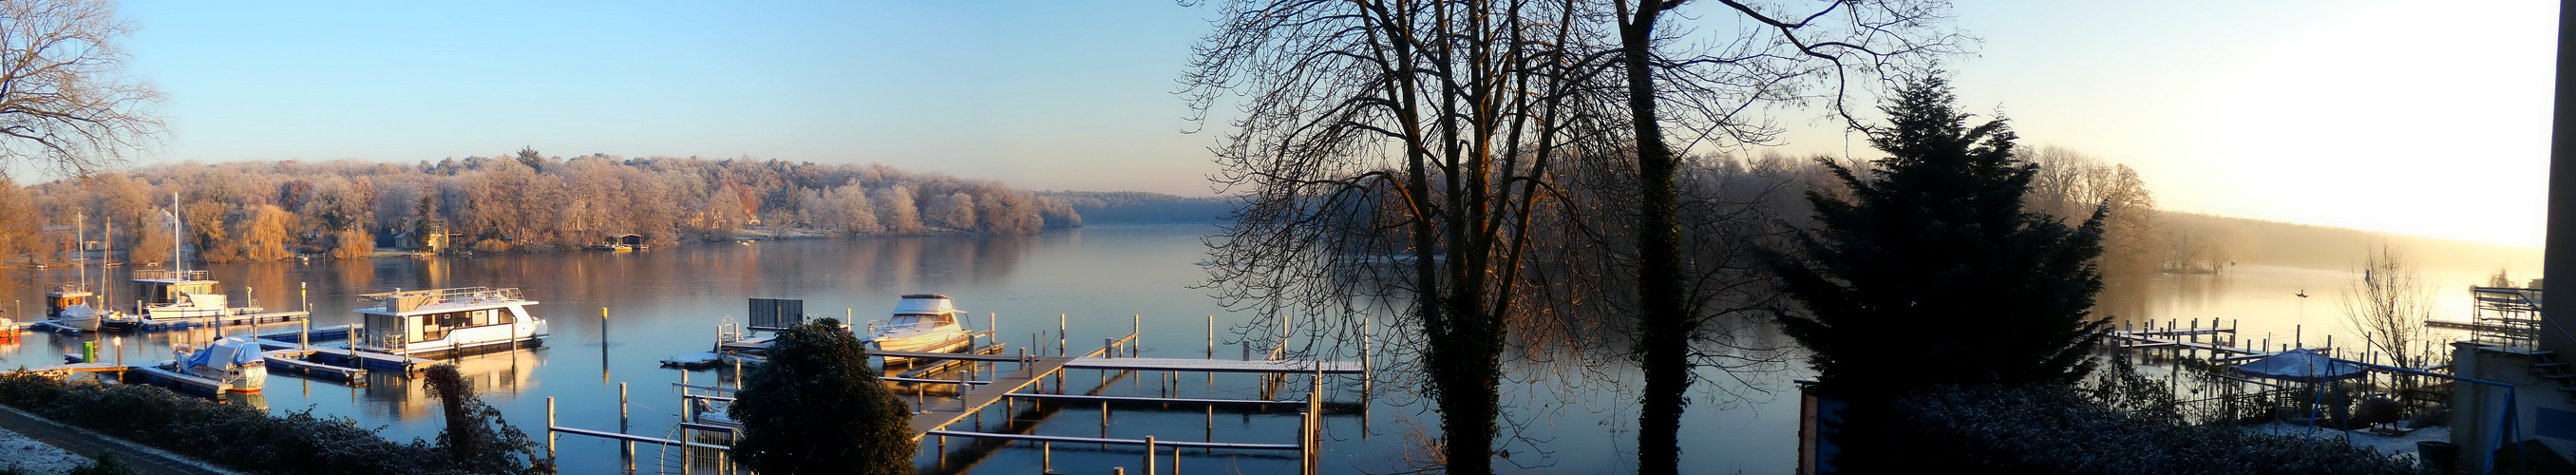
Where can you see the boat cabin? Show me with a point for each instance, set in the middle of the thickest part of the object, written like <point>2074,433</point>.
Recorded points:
<point>186,288</point>
<point>428,321</point>
<point>923,312</point>
<point>63,298</point>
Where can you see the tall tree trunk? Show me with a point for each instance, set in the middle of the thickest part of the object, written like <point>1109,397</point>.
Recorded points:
<point>1663,325</point>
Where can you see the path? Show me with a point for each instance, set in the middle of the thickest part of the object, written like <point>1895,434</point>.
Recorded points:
<point>91,446</point>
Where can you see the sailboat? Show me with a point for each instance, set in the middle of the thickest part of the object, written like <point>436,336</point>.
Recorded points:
<point>176,296</point>
<point>72,304</point>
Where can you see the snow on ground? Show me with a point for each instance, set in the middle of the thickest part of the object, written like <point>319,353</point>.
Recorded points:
<point>2400,446</point>
<point>27,454</point>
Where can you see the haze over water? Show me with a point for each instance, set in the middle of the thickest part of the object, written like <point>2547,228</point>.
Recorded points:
<point>668,301</point>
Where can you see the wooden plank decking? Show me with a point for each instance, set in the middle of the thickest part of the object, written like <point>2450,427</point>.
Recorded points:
<point>986,395</point>
<point>224,320</point>
<point>1218,366</point>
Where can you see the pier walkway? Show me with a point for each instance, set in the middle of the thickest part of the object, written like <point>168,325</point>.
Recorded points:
<point>985,395</point>
<point>212,320</point>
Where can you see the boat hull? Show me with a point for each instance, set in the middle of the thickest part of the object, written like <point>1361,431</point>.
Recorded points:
<point>923,344</point>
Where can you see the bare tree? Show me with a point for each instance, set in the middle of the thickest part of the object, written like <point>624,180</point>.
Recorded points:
<point>64,104</point>
<point>896,211</point>
<point>2389,306</point>
<point>1394,155</point>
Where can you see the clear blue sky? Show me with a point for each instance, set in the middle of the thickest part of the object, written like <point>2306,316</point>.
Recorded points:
<point>2408,116</point>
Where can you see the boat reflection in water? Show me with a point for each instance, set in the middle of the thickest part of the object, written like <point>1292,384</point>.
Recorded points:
<point>257,401</point>
<point>493,374</point>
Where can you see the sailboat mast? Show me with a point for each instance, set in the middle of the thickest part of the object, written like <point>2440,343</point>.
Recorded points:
<point>176,263</point>
<point>107,250</point>
<point>80,246</point>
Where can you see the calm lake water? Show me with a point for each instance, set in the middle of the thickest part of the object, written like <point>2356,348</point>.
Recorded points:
<point>668,302</point>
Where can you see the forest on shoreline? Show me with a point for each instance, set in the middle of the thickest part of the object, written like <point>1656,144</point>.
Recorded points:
<point>526,201</point>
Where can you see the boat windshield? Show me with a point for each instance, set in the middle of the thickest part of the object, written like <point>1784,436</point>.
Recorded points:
<point>908,322</point>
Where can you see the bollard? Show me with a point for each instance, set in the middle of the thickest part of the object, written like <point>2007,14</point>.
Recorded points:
<point>1149,455</point>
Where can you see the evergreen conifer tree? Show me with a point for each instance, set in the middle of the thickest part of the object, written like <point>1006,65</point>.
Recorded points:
<point>1928,272</point>
<point>817,408</point>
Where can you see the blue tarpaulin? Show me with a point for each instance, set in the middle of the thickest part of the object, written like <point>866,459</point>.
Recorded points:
<point>225,353</point>
<point>2301,365</point>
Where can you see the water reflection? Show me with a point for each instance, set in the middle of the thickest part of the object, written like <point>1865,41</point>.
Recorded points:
<point>668,301</point>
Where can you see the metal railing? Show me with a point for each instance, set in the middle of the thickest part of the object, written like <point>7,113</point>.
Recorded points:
<point>167,274</point>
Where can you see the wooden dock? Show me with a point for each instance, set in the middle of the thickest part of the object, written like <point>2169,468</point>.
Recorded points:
<point>1218,366</point>
<point>150,372</point>
<point>220,320</point>
<point>985,395</point>
<point>290,363</point>
<point>369,360</point>
<point>68,369</point>
<point>329,333</point>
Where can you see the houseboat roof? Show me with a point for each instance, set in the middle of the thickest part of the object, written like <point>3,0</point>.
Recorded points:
<point>416,302</point>
<point>925,304</point>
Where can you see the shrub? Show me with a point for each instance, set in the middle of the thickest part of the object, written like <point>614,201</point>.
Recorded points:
<point>2051,430</point>
<point>107,464</point>
<point>233,436</point>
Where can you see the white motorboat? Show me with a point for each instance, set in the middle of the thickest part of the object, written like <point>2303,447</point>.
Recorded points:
<point>236,361</point>
<point>428,323</point>
<point>922,322</point>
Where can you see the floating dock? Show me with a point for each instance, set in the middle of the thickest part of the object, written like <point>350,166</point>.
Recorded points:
<point>193,322</point>
<point>154,372</point>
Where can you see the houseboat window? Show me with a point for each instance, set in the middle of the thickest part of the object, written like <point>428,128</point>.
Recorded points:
<point>435,326</point>
<point>383,330</point>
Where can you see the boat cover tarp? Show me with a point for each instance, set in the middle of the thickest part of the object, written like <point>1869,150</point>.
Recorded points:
<point>225,353</point>
<point>2301,365</point>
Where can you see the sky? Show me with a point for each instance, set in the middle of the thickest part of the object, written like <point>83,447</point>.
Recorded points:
<point>2404,116</point>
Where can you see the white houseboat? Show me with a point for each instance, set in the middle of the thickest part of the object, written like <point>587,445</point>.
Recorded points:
<point>173,296</point>
<point>922,322</point>
<point>429,323</point>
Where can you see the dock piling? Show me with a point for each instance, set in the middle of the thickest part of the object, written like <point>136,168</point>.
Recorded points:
<point>1149,455</point>
<point>550,425</point>
<point>1059,334</point>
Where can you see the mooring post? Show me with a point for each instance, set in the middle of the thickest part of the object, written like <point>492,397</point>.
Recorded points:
<point>1149,455</point>
<point>1108,347</point>
<point>550,425</point>
<point>1137,335</point>
<point>1059,334</point>
<point>1046,456</point>
<point>1211,337</point>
